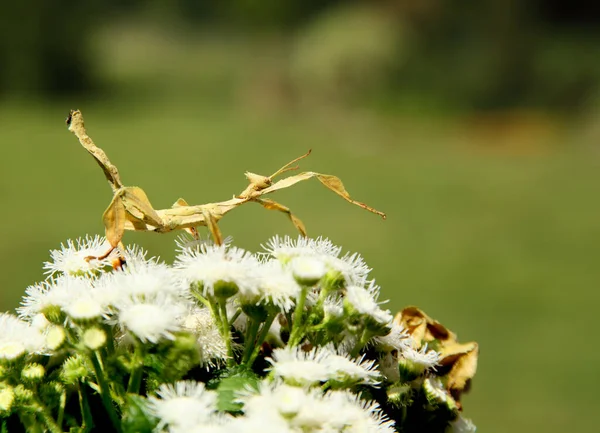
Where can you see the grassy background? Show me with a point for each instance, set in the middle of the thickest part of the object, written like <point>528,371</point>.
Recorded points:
<point>493,222</point>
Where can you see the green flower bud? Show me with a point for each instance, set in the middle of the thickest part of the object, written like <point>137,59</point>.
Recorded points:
<point>94,338</point>
<point>399,395</point>
<point>33,372</point>
<point>258,312</point>
<point>74,369</point>
<point>438,396</point>
<point>54,314</point>
<point>225,289</point>
<point>7,397</point>
<point>55,337</point>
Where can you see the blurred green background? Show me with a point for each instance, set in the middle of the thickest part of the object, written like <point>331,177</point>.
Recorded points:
<point>474,125</point>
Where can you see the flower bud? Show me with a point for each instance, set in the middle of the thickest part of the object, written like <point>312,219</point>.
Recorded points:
<point>55,337</point>
<point>7,397</point>
<point>33,372</point>
<point>94,338</point>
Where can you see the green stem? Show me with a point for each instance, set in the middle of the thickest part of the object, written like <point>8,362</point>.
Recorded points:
<point>135,379</point>
<point>110,341</point>
<point>61,407</point>
<point>87,422</point>
<point>295,335</point>
<point>364,339</point>
<point>201,299</point>
<point>226,331</point>
<point>235,316</point>
<point>264,331</point>
<point>105,391</point>
<point>250,338</point>
<point>44,413</point>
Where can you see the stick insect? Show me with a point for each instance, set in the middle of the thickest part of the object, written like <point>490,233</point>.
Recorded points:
<point>130,208</point>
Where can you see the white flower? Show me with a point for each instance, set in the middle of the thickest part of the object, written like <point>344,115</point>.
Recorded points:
<point>333,307</point>
<point>298,367</point>
<point>308,270</point>
<point>397,339</point>
<point>271,407</point>
<point>18,337</point>
<point>202,324</point>
<point>135,256</point>
<point>312,411</point>
<point>145,279</point>
<point>53,293</point>
<point>342,368</point>
<point>421,357</point>
<point>284,249</point>
<point>84,307</point>
<point>71,258</point>
<point>351,414</point>
<point>461,425</point>
<point>213,264</point>
<point>364,301</point>
<point>274,286</point>
<point>150,319</point>
<point>351,266</point>
<point>185,242</point>
<point>217,423</point>
<point>40,322</point>
<point>182,405</point>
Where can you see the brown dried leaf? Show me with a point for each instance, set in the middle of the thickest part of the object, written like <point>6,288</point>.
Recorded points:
<point>114,221</point>
<point>273,205</point>
<point>422,327</point>
<point>463,370</point>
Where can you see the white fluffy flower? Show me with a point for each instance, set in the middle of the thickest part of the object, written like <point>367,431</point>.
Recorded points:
<point>201,323</point>
<point>84,307</point>
<point>320,364</point>
<point>57,293</point>
<point>312,411</point>
<point>342,368</point>
<point>397,339</point>
<point>71,258</point>
<point>299,367</point>
<point>307,269</point>
<point>422,357</point>
<point>285,249</point>
<point>351,414</point>
<point>351,266</point>
<point>461,425</point>
<point>212,264</point>
<point>183,405</point>
<point>150,319</point>
<point>145,279</point>
<point>364,301</point>
<point>274,286</point>
<point>272,407</point>
<point>135,256</point>
<point>18,337</point>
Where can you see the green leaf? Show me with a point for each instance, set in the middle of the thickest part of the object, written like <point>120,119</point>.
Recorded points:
<point>230,387</point>
<point>135,418</point>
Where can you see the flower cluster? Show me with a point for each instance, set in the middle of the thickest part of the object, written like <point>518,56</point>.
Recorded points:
<point>292,339</point>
